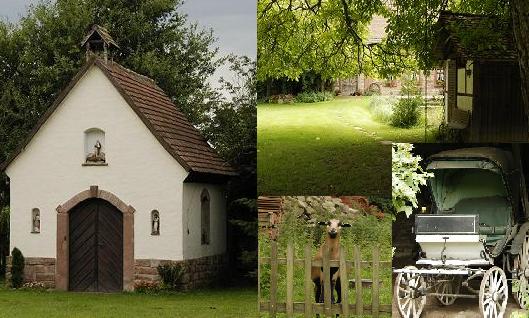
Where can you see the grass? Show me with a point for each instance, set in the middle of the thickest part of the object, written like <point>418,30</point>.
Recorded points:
<point>326,148</point>
<point>231,302</point>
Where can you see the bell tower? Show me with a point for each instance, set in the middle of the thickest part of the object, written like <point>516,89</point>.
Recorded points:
<point>98,42</point>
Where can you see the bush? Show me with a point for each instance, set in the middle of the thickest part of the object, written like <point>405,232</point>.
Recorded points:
<point>143,287</point>
<point>171,275</point>
<point>314,97</point>
<point>381,108</point>
<point>406,112</point>
<point>281,99</point>
<point>17,268</point>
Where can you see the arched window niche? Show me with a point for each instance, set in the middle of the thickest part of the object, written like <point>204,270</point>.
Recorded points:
<point>205,217</point>
<point>35,221</point>
<point>94,147</point>
<point>155,222</point>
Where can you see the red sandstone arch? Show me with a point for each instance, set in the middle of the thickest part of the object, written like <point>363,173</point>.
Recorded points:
<point>61,274</point>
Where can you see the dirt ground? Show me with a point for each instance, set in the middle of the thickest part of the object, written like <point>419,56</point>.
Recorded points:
<point>462,308</point>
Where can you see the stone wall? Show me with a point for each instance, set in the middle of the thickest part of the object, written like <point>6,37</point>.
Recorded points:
<point>200,272</point>
<point>36,269</point>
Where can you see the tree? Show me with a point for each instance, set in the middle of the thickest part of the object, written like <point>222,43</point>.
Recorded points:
<point>409,40</point>
<point>327,37</point>
<point>232,130</point>
<point>4,239</point>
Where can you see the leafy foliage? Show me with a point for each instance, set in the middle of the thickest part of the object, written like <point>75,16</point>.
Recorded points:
<point>297,36</point>
<point>172,275</point>
<point>406,176</point>
<point>314,97</point>
<point>17,268</point>
<point>4,239</point>
<point>406,112</point>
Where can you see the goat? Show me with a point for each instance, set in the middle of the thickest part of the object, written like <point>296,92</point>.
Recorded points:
<point>332,241</point>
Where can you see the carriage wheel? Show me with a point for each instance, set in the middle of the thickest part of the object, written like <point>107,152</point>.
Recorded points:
<point>409,301</point>
<point>448,285</point>
<point>522,268</point>
<point>493,293</point>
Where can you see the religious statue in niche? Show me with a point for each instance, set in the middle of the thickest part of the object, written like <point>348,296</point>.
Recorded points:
<point>155,223</point>
<point>36,221</point>
<point>97,156</point>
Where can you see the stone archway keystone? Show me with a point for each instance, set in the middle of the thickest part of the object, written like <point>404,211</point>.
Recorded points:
<point>62,266</point>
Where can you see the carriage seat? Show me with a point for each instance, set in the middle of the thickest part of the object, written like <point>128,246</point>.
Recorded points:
<point>494,215</point>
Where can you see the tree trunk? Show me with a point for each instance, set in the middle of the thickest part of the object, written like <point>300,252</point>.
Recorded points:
<point>520,21</point>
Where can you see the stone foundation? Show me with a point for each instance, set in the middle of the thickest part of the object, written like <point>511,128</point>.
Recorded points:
<point>36,269</point>
<point>200,272</point>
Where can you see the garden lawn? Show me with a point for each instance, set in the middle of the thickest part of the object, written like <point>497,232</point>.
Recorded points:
<point>233,302</point>
<point>326,148</point>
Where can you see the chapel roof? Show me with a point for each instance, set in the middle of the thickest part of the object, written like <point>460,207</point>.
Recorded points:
<point>458,35</point>
<point>161,116</point>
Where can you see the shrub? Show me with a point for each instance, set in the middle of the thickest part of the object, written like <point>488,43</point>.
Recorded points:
<point>144,287</point>
<point>406,112</point>
<point>314,97</point>
<point>281,99</point>
<point>17,268</point>
<point>381,108</point>
<point>171,275</point>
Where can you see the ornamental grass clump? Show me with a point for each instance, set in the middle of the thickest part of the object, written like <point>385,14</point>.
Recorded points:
<point>17,268</point>
<point>172,275</point>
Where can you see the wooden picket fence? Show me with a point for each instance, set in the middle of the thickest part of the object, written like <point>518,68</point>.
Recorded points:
<point>350,274</point>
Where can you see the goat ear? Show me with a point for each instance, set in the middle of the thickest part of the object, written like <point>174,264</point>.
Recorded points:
<point>322,223</point>
<point>346,225</point>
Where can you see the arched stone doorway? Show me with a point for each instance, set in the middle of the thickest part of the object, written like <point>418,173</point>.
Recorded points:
<point>87,200</point>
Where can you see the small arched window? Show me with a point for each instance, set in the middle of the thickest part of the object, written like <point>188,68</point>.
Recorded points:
<point>205,217</point>
<point>155,222</point>
<point>94,146</point>
<point>35,221</point>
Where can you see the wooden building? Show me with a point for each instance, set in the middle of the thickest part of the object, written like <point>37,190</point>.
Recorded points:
<point>482,80</point>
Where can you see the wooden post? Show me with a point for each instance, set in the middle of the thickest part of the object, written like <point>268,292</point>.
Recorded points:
<point>344,281</point>
<point>308,281</point>
<point>290,279</point>
<point>376,281</point>
<point>327,282</point>
<point>273,280</point>
<point>358,281</point>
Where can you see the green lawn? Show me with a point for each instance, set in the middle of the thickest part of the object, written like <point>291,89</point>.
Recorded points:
<point>232,302</point>
<point>326,148</point>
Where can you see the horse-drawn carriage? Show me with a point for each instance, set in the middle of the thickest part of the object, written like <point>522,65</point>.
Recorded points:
<point>475,243</point>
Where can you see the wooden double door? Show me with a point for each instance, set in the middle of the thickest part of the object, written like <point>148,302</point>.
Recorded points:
<point>95,247</point>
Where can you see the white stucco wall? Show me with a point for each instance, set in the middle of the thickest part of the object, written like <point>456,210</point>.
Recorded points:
<point>193,247</point>
<point>140,172</point>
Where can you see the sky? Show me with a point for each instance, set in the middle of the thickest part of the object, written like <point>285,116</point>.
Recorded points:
<point>233,23</point>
